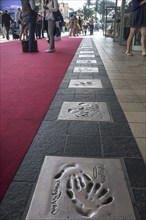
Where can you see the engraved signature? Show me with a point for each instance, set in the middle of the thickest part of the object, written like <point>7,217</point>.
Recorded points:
<point>56,194</point>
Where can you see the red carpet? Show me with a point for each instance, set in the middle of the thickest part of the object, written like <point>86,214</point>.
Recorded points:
<point>28,85</point>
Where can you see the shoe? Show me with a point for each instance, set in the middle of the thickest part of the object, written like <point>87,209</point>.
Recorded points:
<point>143,54</point>
<point>50,51</point>
<point>128,53</point>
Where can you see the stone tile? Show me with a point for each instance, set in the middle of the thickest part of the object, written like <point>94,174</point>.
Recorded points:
<point>52,115</point>
<point>133,107</point>
<point>140,92</point>
<point>86,61</point>
<point>116,129</point>
<point>134,77</point>
<point>15,201</point>
<point>142,98</point>
<point>136,170</point>
<point>83,128</point>
<point>83,97</point>
<point>142,146</point>
<point>136,116</point>
<point>105,98</point>
<point>85,83</point>
<point>48,128</point>
<point>120,147</point>
<point>86,47</point>
<point>87,51</point>
<point>117,84</point>
<point>126,92</point>
<point>129,99</point>
<point>65,91</point>
<point>84,111</point>
<point>86,55</point>
<point>114,76</point>
<point>29,168</point>
<point>52,144</point>
<point>138,129</point>
<point>86,69</point>
<point>140,198</point>
<point>78,179</point>
<point>83,146</point>
<point>138,87</point>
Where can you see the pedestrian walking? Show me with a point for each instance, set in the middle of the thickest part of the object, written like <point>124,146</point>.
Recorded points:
<point>137,20</point>
<point>6,22</point>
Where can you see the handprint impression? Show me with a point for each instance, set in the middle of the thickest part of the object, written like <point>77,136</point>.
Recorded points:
<point>88,197</point>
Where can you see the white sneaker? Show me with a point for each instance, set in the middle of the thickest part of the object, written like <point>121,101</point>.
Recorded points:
<point>50,51</point>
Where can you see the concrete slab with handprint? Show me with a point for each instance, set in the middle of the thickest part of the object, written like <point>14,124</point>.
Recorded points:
<point>84,111</point>
<point>87,55</point>
<point>87,51</point>
<point>85,83</point>
<point>80,189</point>
<point>86,69</point>
<point>86,61</point>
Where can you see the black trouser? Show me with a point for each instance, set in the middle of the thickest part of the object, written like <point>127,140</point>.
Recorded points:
<point>7,32</point>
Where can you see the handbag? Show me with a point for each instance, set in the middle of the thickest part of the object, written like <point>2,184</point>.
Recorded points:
<point>57,15</point>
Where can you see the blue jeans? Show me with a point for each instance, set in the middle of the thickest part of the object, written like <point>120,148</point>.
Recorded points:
<point>30,21</point>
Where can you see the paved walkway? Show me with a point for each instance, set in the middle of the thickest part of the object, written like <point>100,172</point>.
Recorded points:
<point>101,115</point>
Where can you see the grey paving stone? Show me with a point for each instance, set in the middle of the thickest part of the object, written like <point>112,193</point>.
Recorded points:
<point>85,97</point>
<point>83,128</point>
<point>14,203</point>
<point>116,112</point>
<point>53,127</point>
<point>52,144</point>
<point>140,198</point>
<point>104,91</point>
<point>105,98</point>
<point>59,97</point>
<point>29,168</point>
<point>83,146</point>
<point>116,129</point>
<point>86,76</point>
<point>136,170</point>
<point>67,91</point>
<point>84,91</point>
<point>120,147</point>
<point>52,115</point>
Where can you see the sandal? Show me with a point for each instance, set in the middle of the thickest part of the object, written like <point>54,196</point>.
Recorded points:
<point>128,53</point>
<point>143,54</point>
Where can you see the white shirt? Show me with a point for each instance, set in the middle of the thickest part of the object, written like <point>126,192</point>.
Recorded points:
<point>32,4</point>
<point>49,15</point>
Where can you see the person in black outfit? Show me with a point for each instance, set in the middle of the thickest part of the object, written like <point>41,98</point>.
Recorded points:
<point>6,21</point>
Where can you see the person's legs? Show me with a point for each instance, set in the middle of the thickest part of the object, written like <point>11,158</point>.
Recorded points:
<point>51,26</point>
<point>143,40</point>
<point>130,39</point>
<point>7,32</point>
<point>31,22</point>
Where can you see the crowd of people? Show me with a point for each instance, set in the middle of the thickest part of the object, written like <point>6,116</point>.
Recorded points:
<point>78,25</point>
<point>33,23</point>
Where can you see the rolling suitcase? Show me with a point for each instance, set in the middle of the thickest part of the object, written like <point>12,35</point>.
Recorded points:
<point>25,46</point>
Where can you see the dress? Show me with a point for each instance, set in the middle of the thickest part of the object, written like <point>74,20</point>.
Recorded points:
<point>138,14</point>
